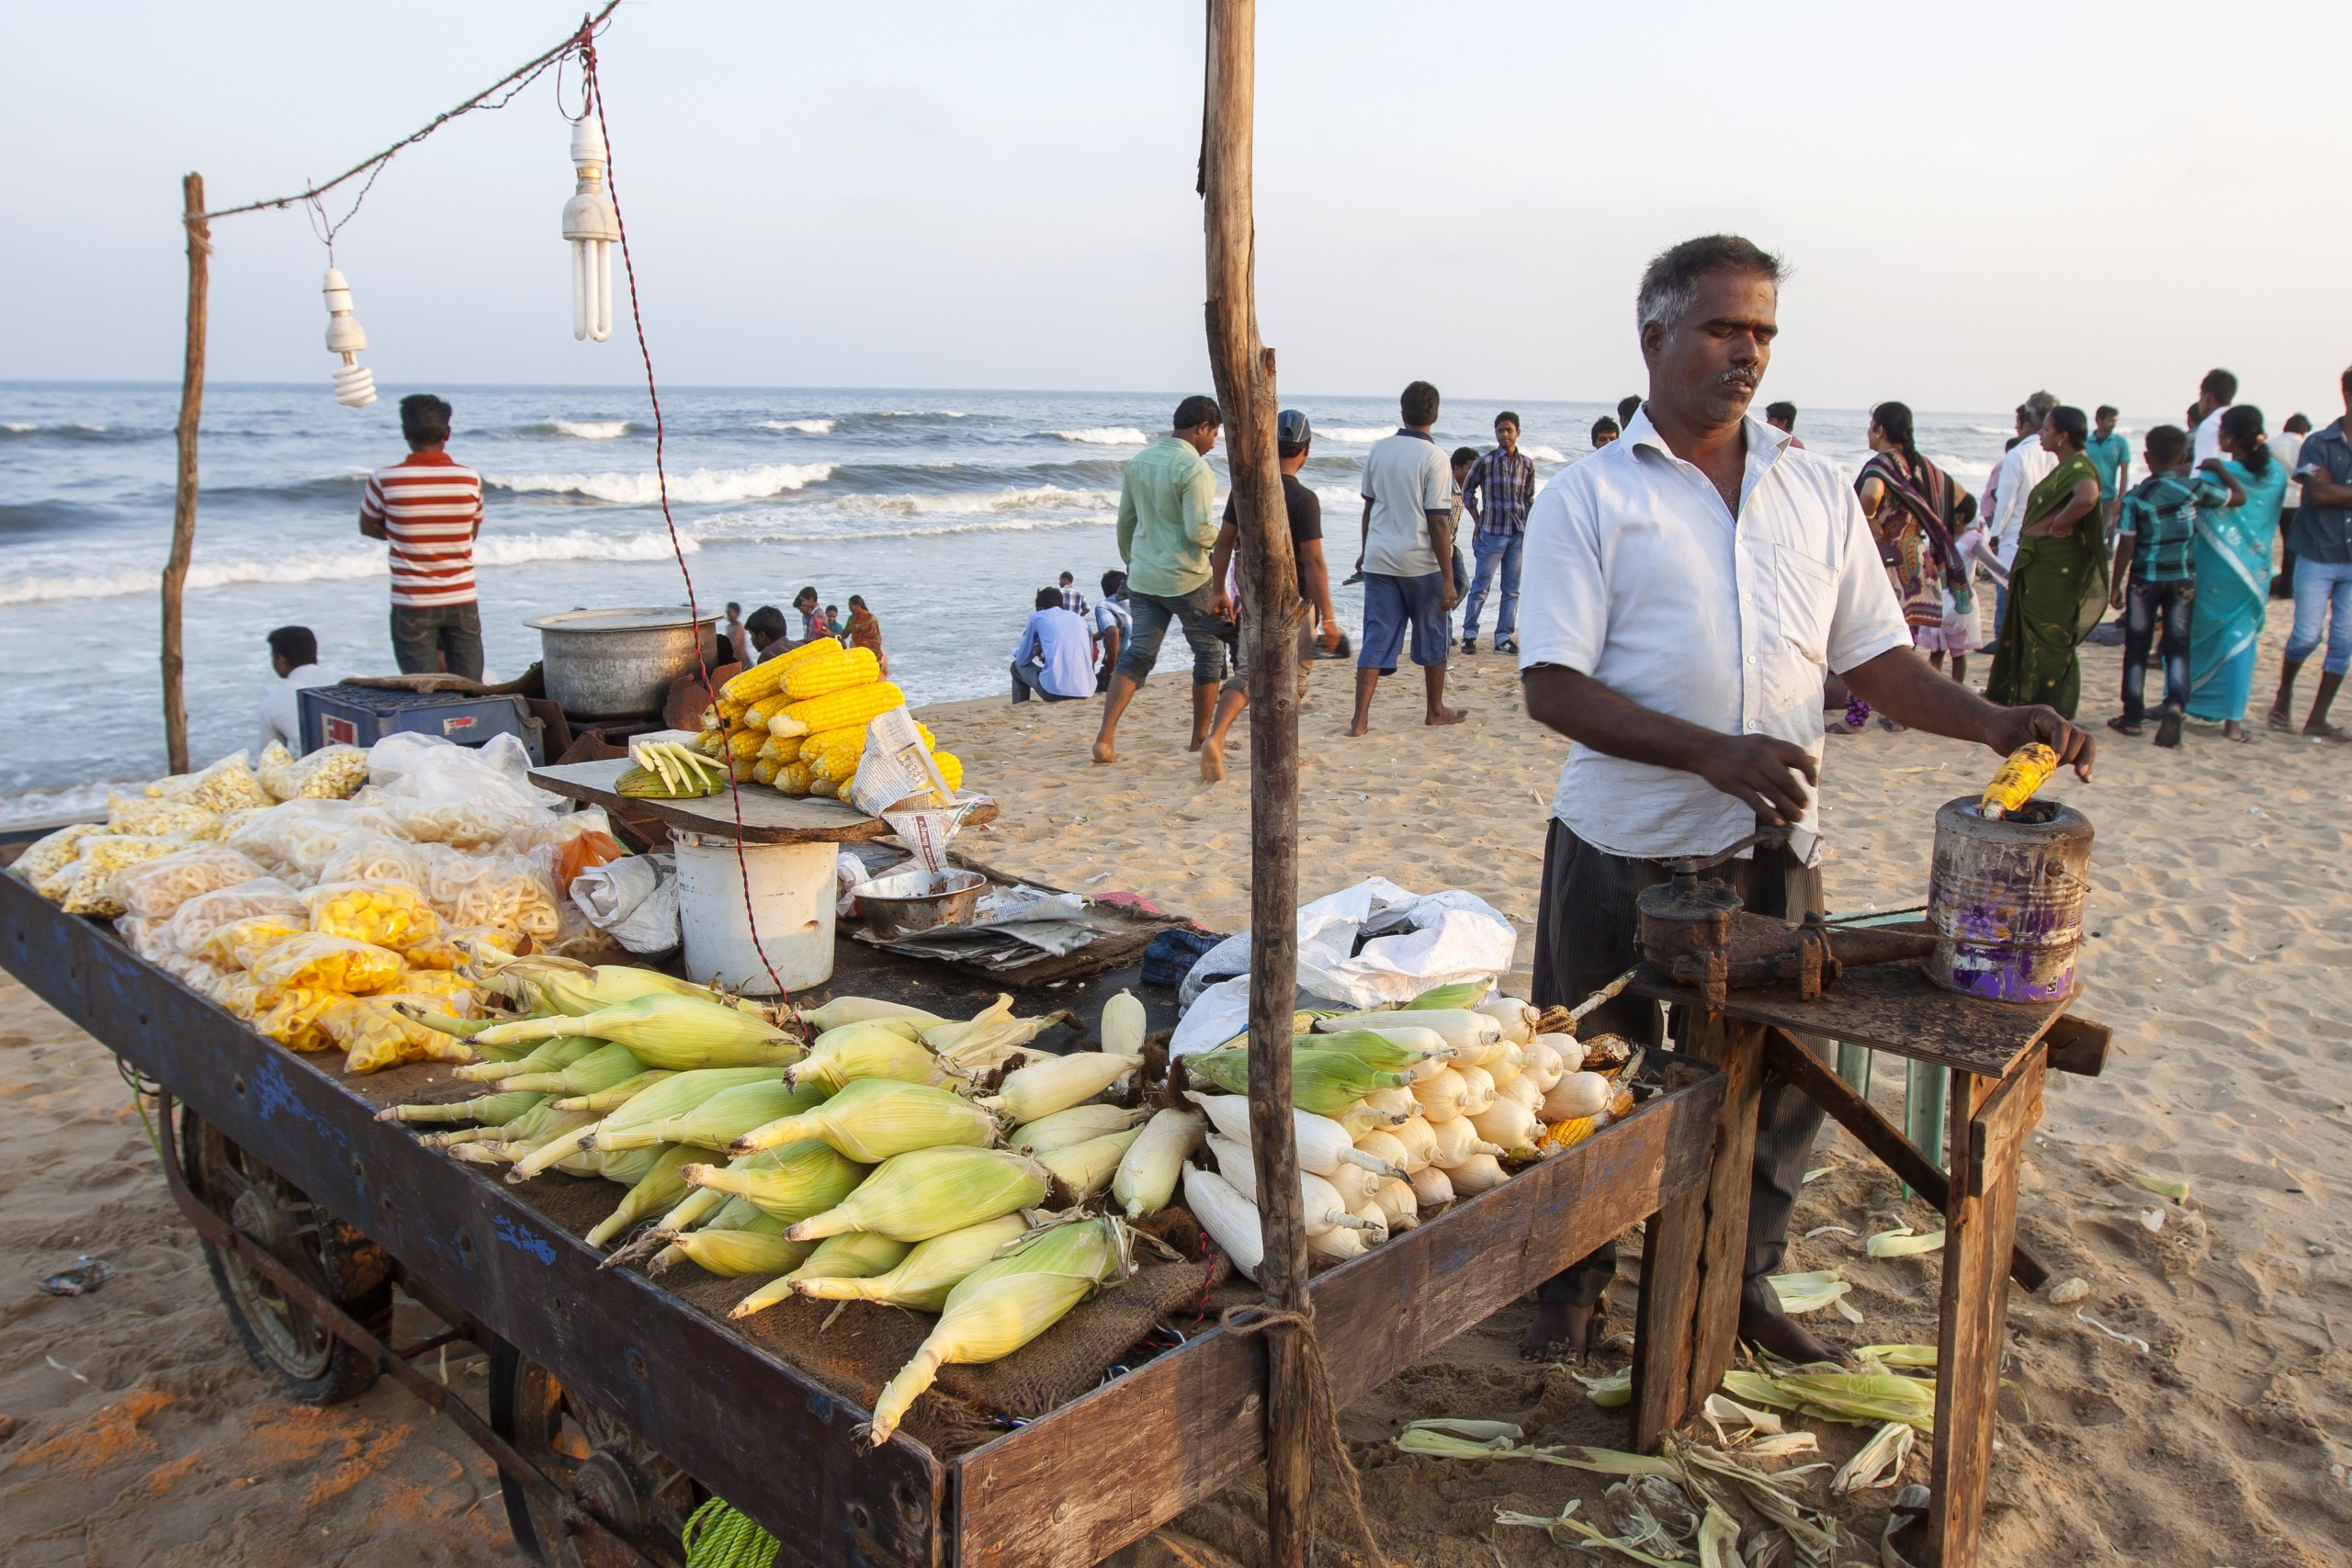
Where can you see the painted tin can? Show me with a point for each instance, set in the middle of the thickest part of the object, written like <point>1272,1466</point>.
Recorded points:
<point>2004,898</point>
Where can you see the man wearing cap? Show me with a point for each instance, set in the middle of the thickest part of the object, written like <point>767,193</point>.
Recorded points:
<point>1293,439</point>
<point>1167,523</point>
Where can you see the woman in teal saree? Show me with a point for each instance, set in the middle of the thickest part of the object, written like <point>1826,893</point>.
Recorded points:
<point>2234,575</point>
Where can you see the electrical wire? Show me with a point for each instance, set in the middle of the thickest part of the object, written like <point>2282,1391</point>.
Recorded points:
<point>593,96</point>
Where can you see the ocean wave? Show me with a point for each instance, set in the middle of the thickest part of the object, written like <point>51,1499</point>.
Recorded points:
<point>843,534</point>
<point>704,485</point>
<point>74,803</point>
<point>322,566</point>
<point>75,430</point>
<point>582,429</point>
<point>799,426</point>
<point>50,516</point>
<point>1038,498</point>
<point>1356,435</point>
<point>1104,436</point>
<point>1543,453</point>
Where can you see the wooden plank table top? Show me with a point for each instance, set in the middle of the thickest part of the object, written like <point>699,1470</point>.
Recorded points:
<point>1887,1006</point>
<point>769,818</point>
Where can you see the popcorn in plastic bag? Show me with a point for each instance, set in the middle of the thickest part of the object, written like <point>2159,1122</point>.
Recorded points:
<point>164,818</point>
<point>315,960</point>
<point>155,889</point>
<point>101,857</point>
<point>227,785</point>
<point>241,943</point>
<point>389,914</point>
<point>331,773</point>
<point>53,854</point>
<point>374,1034</point>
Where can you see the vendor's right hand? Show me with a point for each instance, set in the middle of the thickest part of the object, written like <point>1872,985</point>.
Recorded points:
<point>1770,777</point>
<point>1221,604</point>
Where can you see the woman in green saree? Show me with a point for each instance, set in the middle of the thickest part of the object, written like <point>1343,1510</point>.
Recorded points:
<point>2058,579</point>
<point>2234,575</point>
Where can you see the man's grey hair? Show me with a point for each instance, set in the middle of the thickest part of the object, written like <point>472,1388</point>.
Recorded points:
<point>2038,406</point>
<point>1670,283</point>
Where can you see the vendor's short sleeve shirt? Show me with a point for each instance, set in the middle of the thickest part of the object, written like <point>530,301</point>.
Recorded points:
<point>1638,576</point>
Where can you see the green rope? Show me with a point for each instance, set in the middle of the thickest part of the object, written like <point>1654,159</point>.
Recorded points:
<point>721,1536</point>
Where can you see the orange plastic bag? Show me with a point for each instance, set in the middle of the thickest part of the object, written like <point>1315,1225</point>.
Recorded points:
<point>581,852</point>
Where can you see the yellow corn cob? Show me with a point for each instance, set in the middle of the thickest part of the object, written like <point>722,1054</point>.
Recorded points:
<point>837,765</point>
<point>848,742</point>
<point>951,768</point>
<point>793,778</point>
<point>763,772</point>
<point>712,742</point>
<point>2027,769</point>
<point>744,745</point>
<point>756,717</point>
<point>850,703</point>
<point>731,711</point>
<point>923,1278</point>
<point>783,726</point>
<point>832,673</point>
<point>767,677</point>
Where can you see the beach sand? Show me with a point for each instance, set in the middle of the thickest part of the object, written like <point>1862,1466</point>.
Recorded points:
<point>2221,955</point>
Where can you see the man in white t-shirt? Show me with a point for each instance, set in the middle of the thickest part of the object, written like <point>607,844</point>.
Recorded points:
<point>1407,563</point>
<point>294,655</point>
<point>2214,396</point>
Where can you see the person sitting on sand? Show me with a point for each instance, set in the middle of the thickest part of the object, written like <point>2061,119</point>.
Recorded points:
<point>1690,590</point>
<point>1406,561</point>
<point>765,628</point>
<point>1055,658</point>
<point>864,631</point>
<point>1293,438</point>
<point>1113,627</point>
<point>1167,523</point>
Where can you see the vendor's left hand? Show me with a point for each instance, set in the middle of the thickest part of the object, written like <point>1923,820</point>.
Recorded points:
<point>2022,726</point>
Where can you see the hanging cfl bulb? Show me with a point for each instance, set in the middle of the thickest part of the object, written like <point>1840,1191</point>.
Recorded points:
<point>354,384</point>
<point>591,226</point>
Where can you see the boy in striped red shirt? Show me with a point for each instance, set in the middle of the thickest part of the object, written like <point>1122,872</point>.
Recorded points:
<point>429,508</point>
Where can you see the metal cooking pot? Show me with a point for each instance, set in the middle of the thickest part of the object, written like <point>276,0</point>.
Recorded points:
<point>908,901</point>
<point>620,663</point>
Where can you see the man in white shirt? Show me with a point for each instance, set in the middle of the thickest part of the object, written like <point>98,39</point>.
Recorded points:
<point>294,655</point>
<point>2024,465</point>
<point>1408,559</point>
<point>1688,587</point>
<point>2214,396</point>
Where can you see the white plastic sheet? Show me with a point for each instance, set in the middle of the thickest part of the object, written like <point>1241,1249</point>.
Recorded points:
<point>634,900</point>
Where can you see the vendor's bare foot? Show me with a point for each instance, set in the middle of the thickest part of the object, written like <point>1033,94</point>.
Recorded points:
<point>1786,1338</point>
<point>1361,727</point>
<point>1446,715</point>
<point>1560,1333</point>
<point>1103,754</point>
<point>1213,763</point>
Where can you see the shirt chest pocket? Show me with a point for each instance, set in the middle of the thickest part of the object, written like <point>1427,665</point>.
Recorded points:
<point>1802,595</point>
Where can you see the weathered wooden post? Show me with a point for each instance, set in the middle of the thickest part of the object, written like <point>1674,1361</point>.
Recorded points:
<point>1244,369</point>
<point>199,252</point>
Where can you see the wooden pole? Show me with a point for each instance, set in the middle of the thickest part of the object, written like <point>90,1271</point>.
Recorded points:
<point>1244,369</point>
<point>199,250</point>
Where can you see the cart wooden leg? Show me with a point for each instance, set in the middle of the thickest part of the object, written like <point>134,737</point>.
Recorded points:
<point>1738,1049</point>
<point>1663,1320</point>
<point>1991,1119</point>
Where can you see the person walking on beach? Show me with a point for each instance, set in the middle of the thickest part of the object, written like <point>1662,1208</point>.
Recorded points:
<point>1294,440</point>
<point>2288,447</point>
<point>1498,491</point>
<point>1919,517</point>
<point>428,509</point>
<point>1055,658</point>
<point>1690,590</point>
<point>2155,576</point>
<point>2233,575</point>
<point>2321,540</point>
<point>1167,523</point>
<point>1782,417</point>
<point>2110,454</point>
<point>1406,559</point>
<point>2058,579</point>
<point>2215,393</point>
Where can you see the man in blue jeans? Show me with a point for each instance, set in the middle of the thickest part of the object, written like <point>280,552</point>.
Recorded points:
<point>427,510</point>
<point>2321,541</point>
<point>1501,488</point>
<point>1167,523</point>
<point>1408,559</point>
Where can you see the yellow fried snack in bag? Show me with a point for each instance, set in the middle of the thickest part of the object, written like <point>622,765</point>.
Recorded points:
<point>389,914</point>
<point>164,818</point>
<point>454,949</point>
<point>315,960</point>
<point>374,1034</point>
<point>289,1015</point>
<point>92,892</point>
<point>53,854</point>
<point>451,992</point>
<point>239,943</point>
<point>227,785</point>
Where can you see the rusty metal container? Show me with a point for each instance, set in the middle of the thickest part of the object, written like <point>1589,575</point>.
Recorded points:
<point>2004,900</point>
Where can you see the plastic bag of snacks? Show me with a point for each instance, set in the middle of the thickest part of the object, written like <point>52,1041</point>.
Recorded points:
<point>374,857</point>
<point>53,854</point>
<point>461,823</point>
<point>241,943</point>
<point>198,974</point>
<point>331,773</point>
<point>93,871</point>
<point>428,768</point>
<point>389,914</point>
<point>547,828</point>
<point>452,993</point>
<point>374,1034</point>
<point>295,841</point>
<point>142,934</point>
<point>289,1015</point>
<point>163,819</point>
<point>455,948</point>
<point>505,891</point>
<point>227,785</point>
<point>152,889</point>
<point>314,959</point>
<point>195,921</point>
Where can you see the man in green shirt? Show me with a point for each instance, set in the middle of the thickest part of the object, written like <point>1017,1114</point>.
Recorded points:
<point>1167,523</point>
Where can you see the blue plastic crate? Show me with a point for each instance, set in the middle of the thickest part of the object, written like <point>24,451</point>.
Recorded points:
<point>361,716</point>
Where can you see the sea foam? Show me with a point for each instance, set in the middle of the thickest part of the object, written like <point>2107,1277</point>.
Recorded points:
<point>1105,435</point>
<point>704,485</point>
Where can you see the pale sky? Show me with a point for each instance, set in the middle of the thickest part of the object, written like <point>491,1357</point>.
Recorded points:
<point>2101,198</point>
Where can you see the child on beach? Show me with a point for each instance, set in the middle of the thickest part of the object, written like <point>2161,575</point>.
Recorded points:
<point>2155,574</point>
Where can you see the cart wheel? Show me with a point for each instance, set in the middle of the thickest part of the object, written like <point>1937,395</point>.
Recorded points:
<point>281,1337</point>
<point>627,1488</point>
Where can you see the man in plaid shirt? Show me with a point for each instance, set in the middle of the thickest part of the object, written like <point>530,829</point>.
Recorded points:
<point>1497,491</point>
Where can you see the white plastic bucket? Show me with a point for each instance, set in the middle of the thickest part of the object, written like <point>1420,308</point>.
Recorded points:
<point>792,898</point>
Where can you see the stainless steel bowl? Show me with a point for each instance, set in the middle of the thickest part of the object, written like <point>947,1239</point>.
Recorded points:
<point>906,902</point>
<point>620,663</point>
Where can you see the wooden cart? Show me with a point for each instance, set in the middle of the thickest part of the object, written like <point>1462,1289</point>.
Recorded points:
<point>615,1406</point>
